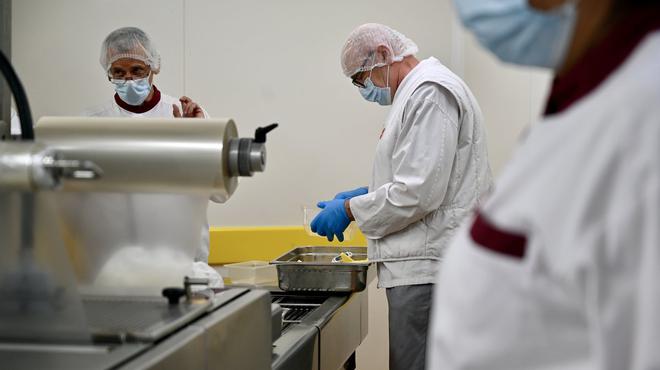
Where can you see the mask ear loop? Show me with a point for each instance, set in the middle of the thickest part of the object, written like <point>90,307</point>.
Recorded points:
<point>388,77</point>
<point>373,62</point>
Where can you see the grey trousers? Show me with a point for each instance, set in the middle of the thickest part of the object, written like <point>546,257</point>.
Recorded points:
<point>409,308</point>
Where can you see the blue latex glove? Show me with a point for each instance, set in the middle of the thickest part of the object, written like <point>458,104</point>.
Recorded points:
<point>352,193</point>
<point>332,221</point>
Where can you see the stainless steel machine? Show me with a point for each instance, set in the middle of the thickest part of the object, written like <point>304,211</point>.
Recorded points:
<point>53,316</point>
<point>53,312</point>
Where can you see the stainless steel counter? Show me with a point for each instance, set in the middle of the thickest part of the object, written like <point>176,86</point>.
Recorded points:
<point>325,337</point>
<point>234,333</point>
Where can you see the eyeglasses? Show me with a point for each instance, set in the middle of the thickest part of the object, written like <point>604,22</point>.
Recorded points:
<point>356,78</point>
<point>135,72</point>
<point>358,81</point>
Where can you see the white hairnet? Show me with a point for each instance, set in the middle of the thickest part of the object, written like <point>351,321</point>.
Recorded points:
<point>360,48</point>
<point>129,42</point>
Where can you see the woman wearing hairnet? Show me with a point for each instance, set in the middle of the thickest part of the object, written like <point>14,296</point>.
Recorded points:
<point>430,168</point>
<point>560,267</point>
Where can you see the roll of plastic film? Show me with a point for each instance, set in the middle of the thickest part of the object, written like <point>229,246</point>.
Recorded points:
<point>146,154</point>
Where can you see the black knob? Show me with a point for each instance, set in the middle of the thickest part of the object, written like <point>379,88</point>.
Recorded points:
<point>260,133</point>
<point>173,295</point>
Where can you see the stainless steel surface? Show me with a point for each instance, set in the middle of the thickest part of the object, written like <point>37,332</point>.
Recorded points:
<point>298,348</point>
<point>23,167</point>
<point>189,282</point>
<point>312,269</point>
<point>147,155</point>
<point>246,157</point>
<point>17,356</point>
<point>40,301</point>
<point>237,336</point>
<point>324,333</point>
<point>276,315</point>
<point>117,319</point>
<point>145,319</point>
<point>233,157</point>
<point>184,350</point>
<point>72,168</point>
<point>298,345</point>
<point>234,332</point>
<point>296,308</point>
<point>340,336</point>
<point>257,157</point>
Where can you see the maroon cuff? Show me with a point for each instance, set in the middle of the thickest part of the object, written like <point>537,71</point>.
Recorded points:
<point>487,235</point>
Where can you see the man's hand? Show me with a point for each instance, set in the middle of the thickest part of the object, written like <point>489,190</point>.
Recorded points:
<point>332,220</point>
<point>190,109</point>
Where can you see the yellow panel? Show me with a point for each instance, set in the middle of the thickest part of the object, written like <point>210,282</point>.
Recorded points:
<point>237,244</point>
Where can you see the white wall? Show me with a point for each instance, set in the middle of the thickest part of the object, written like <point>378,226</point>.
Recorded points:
<point>510,97</point>
<point>279,62</point>
<point>261,62</point>
<point>256,61</point>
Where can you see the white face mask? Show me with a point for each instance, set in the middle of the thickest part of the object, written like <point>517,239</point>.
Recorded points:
<point>133,92</point>
<point>518,33</point>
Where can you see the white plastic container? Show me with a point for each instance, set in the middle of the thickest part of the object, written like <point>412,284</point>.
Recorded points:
<point>252,272</point>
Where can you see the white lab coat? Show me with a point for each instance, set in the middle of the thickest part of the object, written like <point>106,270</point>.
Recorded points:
<point>583,192</point>
<point>163,110</point>
<point>428,172</point>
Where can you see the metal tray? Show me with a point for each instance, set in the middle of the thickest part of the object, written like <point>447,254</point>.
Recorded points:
<point>312,269</point>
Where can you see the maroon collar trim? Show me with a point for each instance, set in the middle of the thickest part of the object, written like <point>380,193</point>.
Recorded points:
<point>142,108</point>
<point>605,57</point>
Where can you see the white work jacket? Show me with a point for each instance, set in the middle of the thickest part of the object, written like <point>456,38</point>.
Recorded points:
<point>162,109</point>
<point>560,269</point>
<point>429,171</point>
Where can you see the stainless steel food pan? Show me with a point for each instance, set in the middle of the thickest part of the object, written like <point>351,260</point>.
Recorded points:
<point>312,269</point>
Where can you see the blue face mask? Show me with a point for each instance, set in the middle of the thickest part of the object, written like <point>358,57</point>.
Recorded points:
<point>373,93</point>
<point>133,92</point>
<point>518,33</point>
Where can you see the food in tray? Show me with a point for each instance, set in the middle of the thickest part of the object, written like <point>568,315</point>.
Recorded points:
<point>347,257</point>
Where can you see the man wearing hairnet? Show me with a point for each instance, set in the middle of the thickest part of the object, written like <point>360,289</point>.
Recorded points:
<point>130,61</point>
<point>560,266</point>
<point>431,166</point>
